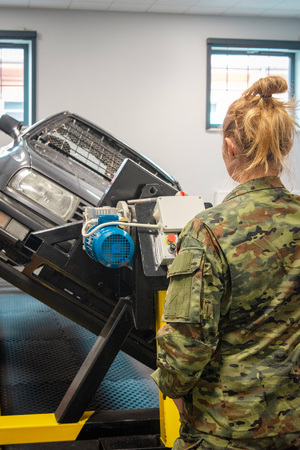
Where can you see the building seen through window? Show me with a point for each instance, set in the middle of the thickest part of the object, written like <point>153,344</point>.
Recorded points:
<point>17,75</point>
<point>12,82</point>
<point>232,69</point>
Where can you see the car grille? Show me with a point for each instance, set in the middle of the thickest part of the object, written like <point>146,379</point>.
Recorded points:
<point>83,144</point>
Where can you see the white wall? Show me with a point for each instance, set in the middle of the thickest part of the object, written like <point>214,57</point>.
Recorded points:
<point>142,77</point>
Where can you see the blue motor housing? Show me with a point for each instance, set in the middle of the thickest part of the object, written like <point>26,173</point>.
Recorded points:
<point>110,245</point>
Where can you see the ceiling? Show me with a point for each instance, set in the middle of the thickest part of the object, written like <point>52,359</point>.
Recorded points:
<point>253,8</point>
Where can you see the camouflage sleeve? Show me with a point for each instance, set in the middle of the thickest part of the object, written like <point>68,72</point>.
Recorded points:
<point>192,312</point>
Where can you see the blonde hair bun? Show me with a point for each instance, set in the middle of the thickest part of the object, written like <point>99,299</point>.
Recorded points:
<point>266,87</point>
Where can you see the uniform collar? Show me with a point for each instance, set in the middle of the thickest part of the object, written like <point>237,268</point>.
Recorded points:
<point>255,185</point>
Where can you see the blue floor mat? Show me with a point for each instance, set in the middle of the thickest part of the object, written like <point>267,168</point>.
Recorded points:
<point>41,351</point>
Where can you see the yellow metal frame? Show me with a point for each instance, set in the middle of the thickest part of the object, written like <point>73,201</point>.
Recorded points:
<point>37,428</point>
<point>169,416</point>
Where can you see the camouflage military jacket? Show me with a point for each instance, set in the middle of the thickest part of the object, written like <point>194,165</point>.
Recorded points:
<point>231,345</point>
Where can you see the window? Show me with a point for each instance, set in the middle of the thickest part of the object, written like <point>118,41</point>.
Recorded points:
<point>17,75</point>
<point>234,65</point>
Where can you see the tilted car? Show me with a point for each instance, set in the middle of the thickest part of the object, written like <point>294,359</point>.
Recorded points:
<point>52,170</point>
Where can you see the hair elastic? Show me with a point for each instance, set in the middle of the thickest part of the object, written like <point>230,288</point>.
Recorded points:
<point>266,96</point>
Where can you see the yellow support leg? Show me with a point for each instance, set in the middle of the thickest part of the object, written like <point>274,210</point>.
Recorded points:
<point>169,416</point>
<point>37,428</point>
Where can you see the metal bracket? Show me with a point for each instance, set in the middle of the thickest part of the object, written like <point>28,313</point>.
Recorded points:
<point>97,363</point>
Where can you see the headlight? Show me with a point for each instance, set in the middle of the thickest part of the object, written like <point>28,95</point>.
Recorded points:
<point>44,192</point>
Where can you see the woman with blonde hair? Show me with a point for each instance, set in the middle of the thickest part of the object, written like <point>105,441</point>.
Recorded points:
<point>229,354</point>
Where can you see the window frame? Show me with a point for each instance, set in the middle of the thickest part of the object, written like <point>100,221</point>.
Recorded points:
<point>264,47</point>
<point>25,40</point>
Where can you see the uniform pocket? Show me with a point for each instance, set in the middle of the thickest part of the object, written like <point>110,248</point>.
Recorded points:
<point>183,296</point>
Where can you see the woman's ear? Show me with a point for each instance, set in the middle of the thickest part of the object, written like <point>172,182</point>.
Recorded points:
<point>231,148</point>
